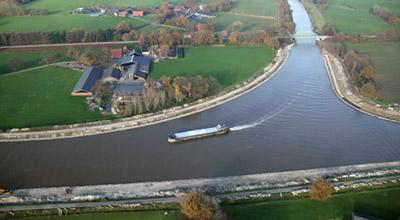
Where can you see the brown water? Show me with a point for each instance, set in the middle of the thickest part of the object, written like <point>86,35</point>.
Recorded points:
<point>294,121</point>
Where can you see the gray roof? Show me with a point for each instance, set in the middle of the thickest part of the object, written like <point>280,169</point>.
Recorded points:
<point>129,87</point>
<point>112,72</point>
<point>144,63</point>
<point>88,79</point>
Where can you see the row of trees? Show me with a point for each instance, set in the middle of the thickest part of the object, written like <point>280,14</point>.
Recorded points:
<point>385,15</point>
<point>171,92</point>
<point>285,19</point>
<point>14,8</point>
<point>357,65</point>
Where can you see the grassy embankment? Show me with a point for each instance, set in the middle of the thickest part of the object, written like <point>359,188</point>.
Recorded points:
<point>385,58</point>
<point>60,18</point>
<point>353,16</point>
<point>41,97</point>
<point>229,65</point>
<point>382,203</point>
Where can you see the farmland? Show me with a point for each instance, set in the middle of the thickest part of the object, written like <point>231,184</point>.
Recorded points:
<point>385,58</point>
<point>28,59</point>
<point>229,65</point>
<point>60,18</point>
<point>353,16</point>
<point>381,203</point>
<point>42,97</point>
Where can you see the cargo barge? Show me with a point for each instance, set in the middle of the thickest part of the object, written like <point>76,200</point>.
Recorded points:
<point>199,133</point>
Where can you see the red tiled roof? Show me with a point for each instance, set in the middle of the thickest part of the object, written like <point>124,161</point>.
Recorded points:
<point>138,13</point>
<point>116,53</point>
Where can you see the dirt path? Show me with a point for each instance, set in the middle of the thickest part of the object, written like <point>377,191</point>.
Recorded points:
<point>251,15</point>
<point>61,46</point>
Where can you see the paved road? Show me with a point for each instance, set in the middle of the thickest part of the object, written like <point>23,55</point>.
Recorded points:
<point>175,199</point>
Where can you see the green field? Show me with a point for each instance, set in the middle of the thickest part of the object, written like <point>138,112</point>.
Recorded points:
<point>230,65</point>
<point>353,16</point>
<point>148,215</point>
<point>385,58</point>
<point>381,203</point>
<point>42,97</point>
<point>224,21</point>
<point>28,59</point>
<point>61,19</point>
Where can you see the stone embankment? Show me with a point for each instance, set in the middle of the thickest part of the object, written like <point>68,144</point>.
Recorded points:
<point>218,185</point>
<point>101,127</point>
<point>350,95</point>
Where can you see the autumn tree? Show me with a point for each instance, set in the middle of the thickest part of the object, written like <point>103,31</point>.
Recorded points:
<point>123,27</point>
<point>197,206</point>
<point>142,39</point>
<point>320,190</point>
<point>234,38</point>
<point>237,26</point>
<point>181,21</point>
<point>368,90</point>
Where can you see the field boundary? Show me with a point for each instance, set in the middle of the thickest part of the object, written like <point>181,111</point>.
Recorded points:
<point>345,92</point>
<point>107,126</point>
<point>251,15</point>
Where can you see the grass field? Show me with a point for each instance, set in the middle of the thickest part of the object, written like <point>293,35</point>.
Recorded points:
<point>229,65</point>
<point>353,16</point>
<point>28,59</point>
<point>149,215</point>
<point>385,58</point>
<point>42,97</point>
<point>252,8</point>
<point>381,203</point>
<point>224,21</point>
<point>61,19</point>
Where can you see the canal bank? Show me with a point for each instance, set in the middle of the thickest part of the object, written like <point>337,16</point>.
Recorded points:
<point>348,94</point>
<point>221,187</point>
<point>101,127</point>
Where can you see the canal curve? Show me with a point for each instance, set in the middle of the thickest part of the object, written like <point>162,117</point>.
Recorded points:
<point>293,121</point>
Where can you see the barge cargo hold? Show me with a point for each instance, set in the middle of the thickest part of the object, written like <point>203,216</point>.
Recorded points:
<point>199,133</point>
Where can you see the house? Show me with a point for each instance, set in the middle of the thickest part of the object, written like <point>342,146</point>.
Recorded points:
<point>145,50</point>
<point>205,14</point>
<point>116,53</point>
<point>138,13</point>
<point>363,216</point>
<point>134,65</point>
<point>84,87</point>
<point>122,14</point>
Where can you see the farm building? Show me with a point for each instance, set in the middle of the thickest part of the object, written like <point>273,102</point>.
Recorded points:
<point>138,13</point>
<point>116,53</point>
<point>84,87</point>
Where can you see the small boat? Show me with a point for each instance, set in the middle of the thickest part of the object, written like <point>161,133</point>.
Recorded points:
<point>199,133</point>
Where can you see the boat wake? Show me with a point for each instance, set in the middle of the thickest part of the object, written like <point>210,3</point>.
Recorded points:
<point>263,118</point>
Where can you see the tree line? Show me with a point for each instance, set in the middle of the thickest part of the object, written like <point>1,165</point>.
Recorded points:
<point>167,92</point>
<point>14,8</point>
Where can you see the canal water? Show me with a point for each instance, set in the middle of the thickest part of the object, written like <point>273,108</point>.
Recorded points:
<point>293,121</point>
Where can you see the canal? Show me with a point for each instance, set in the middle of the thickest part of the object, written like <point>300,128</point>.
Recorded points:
<point>293,121</point>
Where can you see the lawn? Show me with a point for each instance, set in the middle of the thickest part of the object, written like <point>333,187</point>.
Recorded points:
<point>28,59</point>
<point>42,97</point>
<point>380,203</point>
<point>353,16</point>
<point>229,65</point>
<point>385,58</point>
